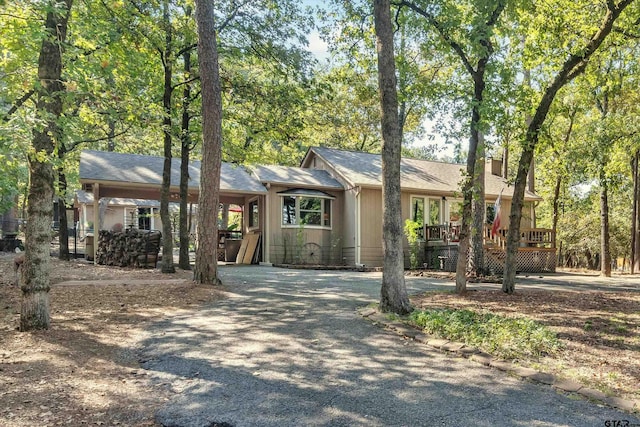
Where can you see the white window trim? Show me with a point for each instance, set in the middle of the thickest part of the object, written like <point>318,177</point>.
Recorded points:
<point>249,213</point>
<point>425,201</point>
<point>297,211</point>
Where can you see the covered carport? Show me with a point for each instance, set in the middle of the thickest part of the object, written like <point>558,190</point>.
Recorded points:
<point>136,176</point>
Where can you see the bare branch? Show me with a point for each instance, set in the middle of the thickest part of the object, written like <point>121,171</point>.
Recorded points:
<point>191,80</point>
<point>441,30</point>
<point>73,145</point>
<point>232,16</point>
<point>24,98</point>
<point>186,49</point>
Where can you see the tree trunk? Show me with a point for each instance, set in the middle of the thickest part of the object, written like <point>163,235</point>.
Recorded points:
<point>558,186</point>
<point>167,232</point>
<point>505,160</point>
<point>605,252</point>
<point>206,268</point>
<point>63,231</point>
<point>531,176</point>
<point>35,282</point>
<point>224,217</point>
<point>469,185</point>
<point>185,139</point>
<point>111,133</point>
<point>556,210</point>
<point>476,258</point>
<point>635,218</point>
<point>515,216</point>
<point>393,293</point>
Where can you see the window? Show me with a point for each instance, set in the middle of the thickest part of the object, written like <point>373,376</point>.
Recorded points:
<point>434,212</point>
<point>310,210</point>
<point>254,215</point>
<point>306,210</point>
<point>417,214</point>
<point>289,210</point>
<point>144,218</point>
<point>425,211</point>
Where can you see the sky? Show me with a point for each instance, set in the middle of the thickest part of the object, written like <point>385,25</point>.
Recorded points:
<point>319,49</point>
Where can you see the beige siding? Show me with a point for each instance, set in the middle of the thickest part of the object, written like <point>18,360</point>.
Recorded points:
<point>371,227</point>
<point>349,227</point>
<point>293,244</point>
<point>505,211</point>
<point>245,218</point>
<point>113,215</point>
<point>371,223</point>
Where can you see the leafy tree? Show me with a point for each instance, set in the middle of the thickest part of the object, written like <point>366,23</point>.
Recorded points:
<point>569,69</point>
<point>393,294</point>
<point>468,30</point>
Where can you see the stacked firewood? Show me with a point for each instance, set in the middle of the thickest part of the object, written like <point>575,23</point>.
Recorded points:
<point>129,248</point>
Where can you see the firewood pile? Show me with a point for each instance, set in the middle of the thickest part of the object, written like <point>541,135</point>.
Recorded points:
<point>129,248</point>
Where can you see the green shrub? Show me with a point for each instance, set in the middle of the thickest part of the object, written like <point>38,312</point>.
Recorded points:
<point>509,338</point>
<point>411,232</point>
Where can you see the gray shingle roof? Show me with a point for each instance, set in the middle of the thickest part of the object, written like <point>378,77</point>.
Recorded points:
<point>365,169</point>
<point>141,169</point>
<point>293,176</point>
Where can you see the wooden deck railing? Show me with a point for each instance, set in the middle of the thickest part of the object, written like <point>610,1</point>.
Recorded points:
<point>443,232</point>
<point>529,237</point>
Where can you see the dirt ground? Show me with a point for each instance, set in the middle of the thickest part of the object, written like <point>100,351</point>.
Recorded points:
<point>600,331</point>
<point>81,371</point>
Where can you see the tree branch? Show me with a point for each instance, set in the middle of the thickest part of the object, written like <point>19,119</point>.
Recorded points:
<point>24,98</point>
<point>75,144</point>
<point>186,49</point>
<point>441,30</point>
<point>191,80</point>
<point>234,13</point>
<point>628,34</point>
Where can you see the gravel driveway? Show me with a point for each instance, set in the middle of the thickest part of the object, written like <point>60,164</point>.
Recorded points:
<point>288,349</point>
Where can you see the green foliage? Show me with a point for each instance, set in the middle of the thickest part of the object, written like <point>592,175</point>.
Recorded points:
<point>411,232</point>
<point>509,338</point>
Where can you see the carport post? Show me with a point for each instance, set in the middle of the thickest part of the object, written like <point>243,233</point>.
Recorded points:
<point>265,232</point>
<point>96,219</point>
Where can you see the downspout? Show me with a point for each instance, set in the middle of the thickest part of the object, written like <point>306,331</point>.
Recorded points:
<point>96,219</point>
<point>358,223</point>
<point>266,241</point>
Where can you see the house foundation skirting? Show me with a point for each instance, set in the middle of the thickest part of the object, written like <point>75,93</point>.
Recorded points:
<point>530,260</point>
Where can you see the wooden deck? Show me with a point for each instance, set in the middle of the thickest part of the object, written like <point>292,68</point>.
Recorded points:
<point>536,253</point>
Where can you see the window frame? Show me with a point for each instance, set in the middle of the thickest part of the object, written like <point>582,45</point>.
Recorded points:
<point>426,211</point>
<point>422,228</point>
<point>322,211</point>
<point>256,203</point>
<point>144,215</point>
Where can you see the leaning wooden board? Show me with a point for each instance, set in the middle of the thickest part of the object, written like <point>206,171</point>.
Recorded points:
<point>251,248</point>
<point>248,249</point>
<point>242,251</point>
